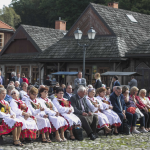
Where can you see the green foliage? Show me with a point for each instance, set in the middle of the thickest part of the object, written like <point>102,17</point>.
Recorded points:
<point>9,16</point>
<point>45,12</point>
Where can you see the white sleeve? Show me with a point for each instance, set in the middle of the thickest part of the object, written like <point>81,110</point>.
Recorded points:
<point>60,109</point>
<point>3,115</point>
<point>105,106</point>
<point>91,106</point>
<point>34,111</point>
<point>15,108</point>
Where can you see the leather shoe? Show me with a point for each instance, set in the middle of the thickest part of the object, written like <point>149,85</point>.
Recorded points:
<point>92,137</point>
<point>96,135</point>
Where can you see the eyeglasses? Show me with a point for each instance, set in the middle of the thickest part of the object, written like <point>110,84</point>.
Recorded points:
<point>118,92</point>
<point>34,94</point>
<point>45,91</point>
<point>60,93</point>
<point>13,93</point>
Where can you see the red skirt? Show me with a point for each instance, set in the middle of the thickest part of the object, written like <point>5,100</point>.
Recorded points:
<point>5,129</point>
<point>53,129</point>
<point>44,130</point>
<point>28,133</point>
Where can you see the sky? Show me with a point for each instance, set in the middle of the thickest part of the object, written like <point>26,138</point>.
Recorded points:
<point>4,2</point>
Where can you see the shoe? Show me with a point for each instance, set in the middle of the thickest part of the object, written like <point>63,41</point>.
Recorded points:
<point>135,132</point>
<point>92,136</point>
<point>144,131</point>
<point>96,135</point>
<point>116,133</point>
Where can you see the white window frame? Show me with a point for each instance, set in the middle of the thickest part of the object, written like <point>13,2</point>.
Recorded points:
<point>2,39</point>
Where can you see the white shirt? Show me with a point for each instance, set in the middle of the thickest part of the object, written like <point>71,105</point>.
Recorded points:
<point>80,80</point>
<point>70,94</point>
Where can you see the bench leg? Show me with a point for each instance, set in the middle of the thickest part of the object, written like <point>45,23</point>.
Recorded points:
<point>1,140</point>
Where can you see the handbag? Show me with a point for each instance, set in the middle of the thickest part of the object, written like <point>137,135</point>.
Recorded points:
<point>131,110</point>
<point>78,133</point>
<point>126,127</point>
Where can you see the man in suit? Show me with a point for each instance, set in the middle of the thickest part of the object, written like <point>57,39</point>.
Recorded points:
<point>13,77</point>
<point>1,79</point>
<point>118,104</point>
<point>88,119</point>
<point>68,92</point>
<point>19,79</point>
<point>133,82</point>
<point>79,81</point>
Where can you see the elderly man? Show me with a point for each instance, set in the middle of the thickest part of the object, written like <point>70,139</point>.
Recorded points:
<point>89,120</point>
<point>119,105</point>
<point>13,77</point>
<point>17,84</point>
<point>68,92</point>
<point>79,81</point>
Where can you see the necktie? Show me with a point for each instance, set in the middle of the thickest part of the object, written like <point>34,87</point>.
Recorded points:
<point>120,103</point>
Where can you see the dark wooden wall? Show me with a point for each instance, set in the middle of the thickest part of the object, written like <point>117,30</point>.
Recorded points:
<point>7,36</point>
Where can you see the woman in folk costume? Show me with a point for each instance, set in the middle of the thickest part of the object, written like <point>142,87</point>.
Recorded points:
<point>56,120</point>
<point>38,112</point>
<point>113,118</point>
<point>66,110</point>
<point>95,107</point>
<point>9,122</point>
<point>24,114</point>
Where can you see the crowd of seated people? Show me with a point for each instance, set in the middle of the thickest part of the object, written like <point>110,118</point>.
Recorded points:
<point>30,113</point>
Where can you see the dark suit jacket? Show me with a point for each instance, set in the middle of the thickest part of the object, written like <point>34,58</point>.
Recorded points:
<point>14,78</point>
<point>115,102</point>
<point>17,88</point>
<point>67,96</point>
<point>21,80</point>
<point>98,84</point>
<point>117,83</point>
<point>76,104</point>
<point>3,81</point>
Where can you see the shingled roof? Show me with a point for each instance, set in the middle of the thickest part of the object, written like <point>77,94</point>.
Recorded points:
<point>3,25</point>
<point>127,36</point>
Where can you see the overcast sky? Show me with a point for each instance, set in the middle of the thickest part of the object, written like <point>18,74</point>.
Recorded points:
<point>4,2</point>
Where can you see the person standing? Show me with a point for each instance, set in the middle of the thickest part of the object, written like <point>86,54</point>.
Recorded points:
<point>13,77</point>
<point>116,82</point>
<point>79,81</point>
<point>19,79</point>
<point>133,82</point>
<point>98,82</point>
<point>68,92</point>
<point>24,78</point>
<point>1,79</point>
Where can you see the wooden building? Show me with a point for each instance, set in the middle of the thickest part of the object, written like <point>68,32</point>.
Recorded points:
<point>121,44</point>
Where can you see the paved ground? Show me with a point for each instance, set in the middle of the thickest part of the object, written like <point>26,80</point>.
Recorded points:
<point>120,142</point>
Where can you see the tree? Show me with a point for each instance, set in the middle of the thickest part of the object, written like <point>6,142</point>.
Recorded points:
<point>9,16</point>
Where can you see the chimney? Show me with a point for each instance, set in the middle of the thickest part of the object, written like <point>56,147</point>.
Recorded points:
<point>60,24</point>
<point>113,4</point>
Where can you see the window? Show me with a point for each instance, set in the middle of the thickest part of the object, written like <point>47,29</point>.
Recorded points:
<point>1,40</point>
<point>131,18</point>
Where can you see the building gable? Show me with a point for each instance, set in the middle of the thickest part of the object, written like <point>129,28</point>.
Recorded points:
<point>90,18</point>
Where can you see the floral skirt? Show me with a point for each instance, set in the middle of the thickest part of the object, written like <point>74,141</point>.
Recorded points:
<point>28,133</point>
<point>44,130</point>
<point>5,129</point>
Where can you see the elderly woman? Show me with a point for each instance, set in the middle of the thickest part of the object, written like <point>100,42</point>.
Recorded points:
<point>143,108</point>
<point>130,103</point>
<point>9,121</point>
<point>66,110</point>
<point>146,102</point>
<point>23,92</point>
<point>8,97</point>
<point>38,112</point>
<point>98,82</point>
<point>113,118</point>
<point>17,85</point>
<point>56,120</point>
<point>24,114</point>
<point>96,108</point>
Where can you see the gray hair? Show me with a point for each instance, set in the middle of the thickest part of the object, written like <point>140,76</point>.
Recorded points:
<point>23,83</point>
<point>81,89</point>
<point>16,91</point>
<point>90,86</point>
<point>13,73</point>
<point>118,88</point>
<point>2,90</point>
<point>10,87</point>
<point>90,90</point>
<point>17,82</point>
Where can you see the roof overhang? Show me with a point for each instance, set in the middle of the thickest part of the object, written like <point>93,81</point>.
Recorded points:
<point>137,55</point>
<point>7,30</point>
<point>65,73</point>
<point>112,73</point>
